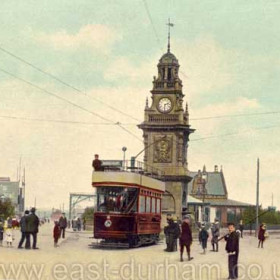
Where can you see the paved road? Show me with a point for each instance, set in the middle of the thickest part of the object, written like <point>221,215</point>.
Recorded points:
<point>75,260</point>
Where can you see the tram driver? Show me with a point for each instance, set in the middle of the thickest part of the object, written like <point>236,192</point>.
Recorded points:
<point>122,199</point>
<point>97,163</point>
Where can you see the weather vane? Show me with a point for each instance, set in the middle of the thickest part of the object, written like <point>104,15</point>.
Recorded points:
<point>169,24</point>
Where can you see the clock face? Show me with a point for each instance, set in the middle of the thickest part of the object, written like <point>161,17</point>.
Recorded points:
<point>165,105</point>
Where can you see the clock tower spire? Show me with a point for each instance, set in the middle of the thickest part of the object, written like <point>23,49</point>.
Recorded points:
<point>166,127</point>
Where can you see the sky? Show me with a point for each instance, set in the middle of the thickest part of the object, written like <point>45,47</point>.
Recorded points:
<point>74,77</point>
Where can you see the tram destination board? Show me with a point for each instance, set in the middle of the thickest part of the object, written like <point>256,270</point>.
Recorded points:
<point>112,164</point>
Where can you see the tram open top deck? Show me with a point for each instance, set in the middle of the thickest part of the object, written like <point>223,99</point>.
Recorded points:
<point>123,174</point>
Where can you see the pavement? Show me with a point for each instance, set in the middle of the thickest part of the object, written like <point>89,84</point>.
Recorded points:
<point>73,259</point>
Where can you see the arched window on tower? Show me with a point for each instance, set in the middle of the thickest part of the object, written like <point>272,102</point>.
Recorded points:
<point>163,73</point>
<point>169,74</point>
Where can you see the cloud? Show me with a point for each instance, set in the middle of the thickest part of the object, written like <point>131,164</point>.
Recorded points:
<point>123,69</point>
<point>205,65</point>
<point>239,105</point>
<point>95,36</point>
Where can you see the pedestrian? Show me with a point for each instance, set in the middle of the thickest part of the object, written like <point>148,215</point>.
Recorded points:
<point>62,224</point>
<point>241,228</point>
<point>215,230</point>
<point>84,223</point>
<point>56,233</point>
<point>186,238</point>
<point>97,163</point>
<point>203,237</point>
<point>32,223</point>
<point>172,233</point>
<point>262,235</point>
<point>165,230</point>
<point>23,228</point>
<point>1,233</point>
<point>79,224</point>
<point>9,237</point>
<point>232,248</point>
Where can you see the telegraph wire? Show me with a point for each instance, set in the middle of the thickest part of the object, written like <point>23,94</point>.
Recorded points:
<point>234,133</point>
<point>128,124</point>
<point>64,83</point>
<point>57,96</point>
<point>152,22</point>
<point>234,116</point>
<point>58,121</point>
<point>69,102</point>
<point>129,132</point>
<point>156,33</point>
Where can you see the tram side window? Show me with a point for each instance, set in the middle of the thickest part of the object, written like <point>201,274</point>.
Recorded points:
<point>153,205</point>
<point>148,204</point>
<point>142,204</point>
<point>158,205</point>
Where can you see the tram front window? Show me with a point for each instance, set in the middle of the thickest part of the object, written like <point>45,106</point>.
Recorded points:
<point>116,199</point>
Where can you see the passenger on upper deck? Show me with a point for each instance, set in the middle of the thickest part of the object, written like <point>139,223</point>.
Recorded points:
<point>97,163</point>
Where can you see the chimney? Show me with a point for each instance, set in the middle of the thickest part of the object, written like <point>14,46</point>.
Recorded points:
<point>216,168</point>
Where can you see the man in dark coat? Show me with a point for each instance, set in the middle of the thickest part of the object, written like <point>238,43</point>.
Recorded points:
<point>97,163</point>
<point>62,224</point>
<point>172,232</point>
<point>32,226</point>
<point>23,228</point>
<point>186,238</point>
<point>232,248</point>
<point>203,237</point>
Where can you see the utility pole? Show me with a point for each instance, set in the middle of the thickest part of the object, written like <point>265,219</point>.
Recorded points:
<point>258,194</point>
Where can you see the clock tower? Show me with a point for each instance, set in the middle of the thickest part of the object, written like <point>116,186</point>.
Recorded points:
<point>166,130</point>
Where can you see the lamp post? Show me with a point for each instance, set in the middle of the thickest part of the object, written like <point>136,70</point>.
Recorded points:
<point>124,150</point>
<point>204,181</point>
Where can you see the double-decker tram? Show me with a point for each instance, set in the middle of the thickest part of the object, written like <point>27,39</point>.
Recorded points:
<point>128,210</point>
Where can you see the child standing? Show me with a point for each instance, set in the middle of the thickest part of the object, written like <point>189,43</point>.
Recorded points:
<point>56,233</point>
<point>262,235</point>
<point>203,237</point>
<point>9,236</point>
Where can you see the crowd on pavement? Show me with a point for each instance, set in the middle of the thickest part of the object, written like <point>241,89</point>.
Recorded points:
<point>176,229</point>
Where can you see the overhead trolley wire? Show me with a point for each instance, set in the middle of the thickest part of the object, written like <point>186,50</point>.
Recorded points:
<point>58,121</point>
<point>56,96</point>
<point>64,83</point>
<point>233,133</point>
<point>69,102</point>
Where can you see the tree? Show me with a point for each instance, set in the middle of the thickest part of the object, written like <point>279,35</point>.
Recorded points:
<point>7,208</point>
<point>88,214</point>
<point>265,216</point>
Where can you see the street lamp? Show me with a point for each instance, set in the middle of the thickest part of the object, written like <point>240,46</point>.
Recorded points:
<point>204,181</point>
<point>124,150</point>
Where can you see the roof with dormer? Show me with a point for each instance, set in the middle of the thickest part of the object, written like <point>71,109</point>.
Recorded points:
<point>215,183</point>
<point>216,190</point>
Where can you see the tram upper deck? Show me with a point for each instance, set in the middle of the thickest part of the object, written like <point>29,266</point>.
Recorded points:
<point>119,173</point>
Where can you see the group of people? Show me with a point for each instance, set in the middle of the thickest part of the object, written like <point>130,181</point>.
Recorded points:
<point>29,226</point>
<point>182,230</point>
<point>178,230</point>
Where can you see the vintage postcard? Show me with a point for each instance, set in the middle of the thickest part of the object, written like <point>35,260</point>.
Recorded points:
<point>139,139</point>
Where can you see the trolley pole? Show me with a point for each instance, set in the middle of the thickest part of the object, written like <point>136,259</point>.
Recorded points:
<point>257,199</point>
